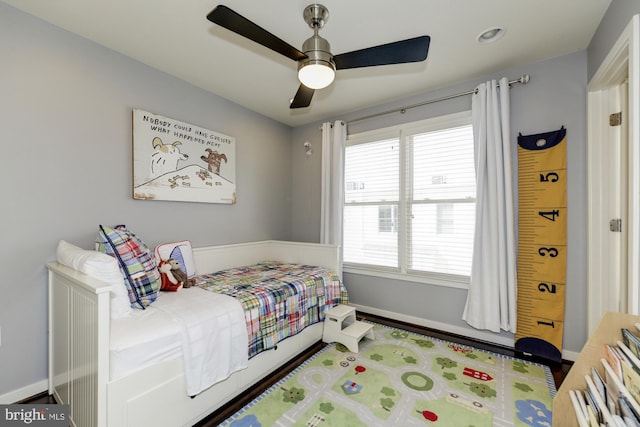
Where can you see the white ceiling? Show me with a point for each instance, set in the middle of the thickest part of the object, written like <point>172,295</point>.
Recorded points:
<point>175,37</point>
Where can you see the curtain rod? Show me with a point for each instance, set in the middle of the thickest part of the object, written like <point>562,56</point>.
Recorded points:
<point>524,80</point>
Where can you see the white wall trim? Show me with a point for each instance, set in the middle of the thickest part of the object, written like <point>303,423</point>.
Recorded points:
<point>24,392</point>
<point>445,327</point>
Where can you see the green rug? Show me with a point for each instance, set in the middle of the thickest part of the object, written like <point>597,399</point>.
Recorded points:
<point>405,379</point>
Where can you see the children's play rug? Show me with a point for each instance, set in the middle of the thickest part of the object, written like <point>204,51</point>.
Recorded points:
<point>405,379</point>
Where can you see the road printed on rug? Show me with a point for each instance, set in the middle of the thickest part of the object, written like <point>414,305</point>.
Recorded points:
<point>401,378</point>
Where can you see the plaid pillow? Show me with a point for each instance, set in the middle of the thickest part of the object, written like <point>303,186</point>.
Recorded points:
<point>136,261</point>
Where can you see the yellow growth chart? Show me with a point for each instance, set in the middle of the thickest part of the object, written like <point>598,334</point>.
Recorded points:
<point>542,243</point>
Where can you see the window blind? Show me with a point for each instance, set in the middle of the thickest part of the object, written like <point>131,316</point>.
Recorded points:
<point>410,200</point>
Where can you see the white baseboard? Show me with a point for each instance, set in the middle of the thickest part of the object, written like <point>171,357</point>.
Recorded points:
<point>24,392</point>
<point>445,327</point>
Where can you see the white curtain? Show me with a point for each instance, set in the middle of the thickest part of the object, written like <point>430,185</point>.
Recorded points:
<point>334,136</point>
<point>491,300</point>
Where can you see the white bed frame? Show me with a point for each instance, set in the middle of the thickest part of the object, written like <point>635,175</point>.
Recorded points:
<point>79,328</point>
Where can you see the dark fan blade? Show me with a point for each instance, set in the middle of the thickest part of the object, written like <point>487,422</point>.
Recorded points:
<point>237,23</point>
<point>410,50</point>
<point>303,97</point>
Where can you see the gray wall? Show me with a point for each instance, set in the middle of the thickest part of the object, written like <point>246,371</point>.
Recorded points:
<point>555,96</point>
<point>612,25</point>
<point>65,109</point>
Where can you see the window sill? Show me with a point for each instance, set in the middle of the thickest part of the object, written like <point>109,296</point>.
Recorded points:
<point>431,279</point>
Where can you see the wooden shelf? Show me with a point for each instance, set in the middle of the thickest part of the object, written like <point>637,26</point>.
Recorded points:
<point>607,332</point>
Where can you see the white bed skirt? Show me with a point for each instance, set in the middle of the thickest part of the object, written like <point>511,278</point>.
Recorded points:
<point>79,325</point>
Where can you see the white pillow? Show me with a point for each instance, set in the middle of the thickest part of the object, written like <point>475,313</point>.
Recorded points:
<point>101,266</point>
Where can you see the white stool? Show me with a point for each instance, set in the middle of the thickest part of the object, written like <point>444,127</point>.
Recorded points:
<point>340,325</point>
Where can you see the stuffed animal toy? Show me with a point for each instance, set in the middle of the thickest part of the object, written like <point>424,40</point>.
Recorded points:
<point>180,275</point>
<point>168,280</point>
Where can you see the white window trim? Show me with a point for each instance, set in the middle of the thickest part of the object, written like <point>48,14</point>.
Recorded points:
<point>426,125</point>
<point>459,282</point>
<point>398,131</point>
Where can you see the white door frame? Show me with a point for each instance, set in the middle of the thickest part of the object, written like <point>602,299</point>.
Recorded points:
<point>622,63</point>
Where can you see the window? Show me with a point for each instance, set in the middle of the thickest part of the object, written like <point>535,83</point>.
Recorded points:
<point>445,218</point>
<point>388,219</point>
<point>410,200</point>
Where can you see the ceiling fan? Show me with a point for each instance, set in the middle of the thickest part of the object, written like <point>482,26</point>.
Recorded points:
<point>316,63</point>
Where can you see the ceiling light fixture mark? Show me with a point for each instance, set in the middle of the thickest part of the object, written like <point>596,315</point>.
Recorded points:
<point>491,35</point>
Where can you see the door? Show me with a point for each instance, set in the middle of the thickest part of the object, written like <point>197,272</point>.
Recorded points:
<point>617,190</point>
<point>613,181</point>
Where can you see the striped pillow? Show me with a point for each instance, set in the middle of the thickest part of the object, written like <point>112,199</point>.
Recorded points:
<point>180,251</point>
<point>136,262</point>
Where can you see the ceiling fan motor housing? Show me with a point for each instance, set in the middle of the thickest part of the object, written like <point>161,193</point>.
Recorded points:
<point>318,51</point>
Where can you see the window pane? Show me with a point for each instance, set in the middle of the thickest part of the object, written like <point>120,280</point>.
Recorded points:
<point>445,222</point>
<point>442,238</point>
<point>364,243</point>
<point>388,218</point>
<point>372,172</point>
<point>443,165</point>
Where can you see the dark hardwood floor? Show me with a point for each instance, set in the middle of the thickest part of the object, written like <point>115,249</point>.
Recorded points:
<point>559,370</point>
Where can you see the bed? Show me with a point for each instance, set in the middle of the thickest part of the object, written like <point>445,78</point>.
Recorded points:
<point>108,382</point>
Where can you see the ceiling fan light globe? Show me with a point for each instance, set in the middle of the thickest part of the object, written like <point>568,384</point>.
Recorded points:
<point>316,75</point>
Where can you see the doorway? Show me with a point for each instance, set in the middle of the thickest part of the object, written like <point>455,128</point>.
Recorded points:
<point>613,181</point>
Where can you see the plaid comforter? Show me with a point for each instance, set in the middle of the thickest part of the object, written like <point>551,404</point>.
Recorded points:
<point>279,299</point>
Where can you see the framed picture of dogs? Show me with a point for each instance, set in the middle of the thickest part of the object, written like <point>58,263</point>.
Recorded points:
<point>177,161</point>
